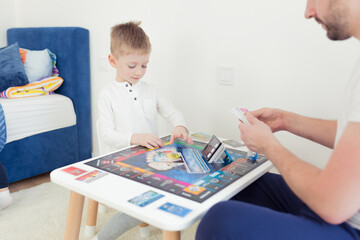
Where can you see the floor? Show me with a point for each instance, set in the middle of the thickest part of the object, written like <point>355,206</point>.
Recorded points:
<point>30,182</point>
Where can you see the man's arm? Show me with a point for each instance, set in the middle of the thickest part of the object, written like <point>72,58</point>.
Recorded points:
<point>320,131</point>
<point>316,130</point>
<point>333,193</point>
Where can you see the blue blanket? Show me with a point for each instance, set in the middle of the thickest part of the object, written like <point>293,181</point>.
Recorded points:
<point>2,129</point>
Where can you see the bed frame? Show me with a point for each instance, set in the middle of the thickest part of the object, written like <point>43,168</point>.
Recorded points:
<point>44,152</point>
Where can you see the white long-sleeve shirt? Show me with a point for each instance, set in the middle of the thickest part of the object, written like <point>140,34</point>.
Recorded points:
<point>125,110</point>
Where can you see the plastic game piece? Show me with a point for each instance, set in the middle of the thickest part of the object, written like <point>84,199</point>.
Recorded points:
<point>253,156</point>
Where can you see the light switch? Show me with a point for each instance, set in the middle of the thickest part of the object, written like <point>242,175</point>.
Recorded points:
<point>226,75</point>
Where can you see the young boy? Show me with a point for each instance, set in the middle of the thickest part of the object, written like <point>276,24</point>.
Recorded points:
<point>128,108</point>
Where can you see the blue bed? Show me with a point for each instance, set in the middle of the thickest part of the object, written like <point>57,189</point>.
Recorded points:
<point>44,152</point>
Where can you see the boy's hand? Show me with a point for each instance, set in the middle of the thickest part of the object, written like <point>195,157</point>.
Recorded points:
<point>147,140</point>
<point>181,132</point>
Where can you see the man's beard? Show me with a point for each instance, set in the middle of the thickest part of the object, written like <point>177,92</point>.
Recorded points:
<point>336,24</point>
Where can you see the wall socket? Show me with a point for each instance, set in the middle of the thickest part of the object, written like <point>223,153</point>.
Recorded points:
<point>226,75</point>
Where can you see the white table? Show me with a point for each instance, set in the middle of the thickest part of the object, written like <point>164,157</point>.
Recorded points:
<point>115,191</point>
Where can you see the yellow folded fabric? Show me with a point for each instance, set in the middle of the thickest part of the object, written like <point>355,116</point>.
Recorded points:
<point>42,87</point>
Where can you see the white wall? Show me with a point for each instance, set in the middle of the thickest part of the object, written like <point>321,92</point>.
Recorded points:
<point>282,60</point>
<point>7,19</point>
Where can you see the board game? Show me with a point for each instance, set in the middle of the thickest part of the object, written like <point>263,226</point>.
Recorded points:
<point>178,168</point>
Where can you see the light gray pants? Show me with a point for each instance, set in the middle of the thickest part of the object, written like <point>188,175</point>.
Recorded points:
<point>116,226</point>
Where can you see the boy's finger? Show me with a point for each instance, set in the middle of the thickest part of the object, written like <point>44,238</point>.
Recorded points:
<point>154,144</point>
<point>159,143</point>
<point>183,136</point>
<point>148,146</point>
<point>187,138</point>
<point>172,139</point>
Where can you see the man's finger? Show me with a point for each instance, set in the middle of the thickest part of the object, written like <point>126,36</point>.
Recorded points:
<point>257,113</point>
<point>251,118</point>
<point>240,126</point>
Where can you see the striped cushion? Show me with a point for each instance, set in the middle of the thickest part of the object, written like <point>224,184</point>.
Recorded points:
<point>2,129</point>
<point>42,87</point>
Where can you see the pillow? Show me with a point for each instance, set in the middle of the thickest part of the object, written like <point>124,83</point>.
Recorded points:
<point>12,72</point>
<point>38,64</point>
<point>42,87</point>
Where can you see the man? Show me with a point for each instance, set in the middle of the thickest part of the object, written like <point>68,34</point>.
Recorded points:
<point>305,202</point>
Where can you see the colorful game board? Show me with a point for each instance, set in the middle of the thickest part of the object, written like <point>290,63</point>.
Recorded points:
<point>169,169</point>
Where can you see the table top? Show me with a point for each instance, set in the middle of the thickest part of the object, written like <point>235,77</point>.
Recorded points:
<point>162,209</point>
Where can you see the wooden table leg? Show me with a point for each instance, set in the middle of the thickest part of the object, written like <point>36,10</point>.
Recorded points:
<point>73,221</point>
<point>170,235</point>
<point>91,218</point>
<point>143,224</point>
<point>144,230</point>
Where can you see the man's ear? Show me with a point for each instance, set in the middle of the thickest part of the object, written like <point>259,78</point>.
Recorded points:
<point>112,60</point>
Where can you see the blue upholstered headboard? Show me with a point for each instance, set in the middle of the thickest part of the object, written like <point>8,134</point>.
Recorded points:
<point>71,46</point>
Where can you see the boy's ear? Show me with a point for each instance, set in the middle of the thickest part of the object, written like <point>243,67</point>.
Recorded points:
<point>112,60</point>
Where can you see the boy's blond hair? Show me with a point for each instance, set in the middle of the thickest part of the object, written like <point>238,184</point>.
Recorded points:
<point>127,38</point>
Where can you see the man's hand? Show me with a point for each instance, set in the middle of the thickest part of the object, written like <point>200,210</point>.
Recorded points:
<point>181,132</point>
<point>274,118</point>
<point>147,140</point>
<point>257,136</point>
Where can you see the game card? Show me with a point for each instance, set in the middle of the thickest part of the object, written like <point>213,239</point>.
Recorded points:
<point>175,209</point>
<point>146,198</point>
<point>233,143</point>
<point>92,176</point>
<point>74,171</point>
<point>193,161</point>
<point>103,162</point>
<point>201,136</point>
